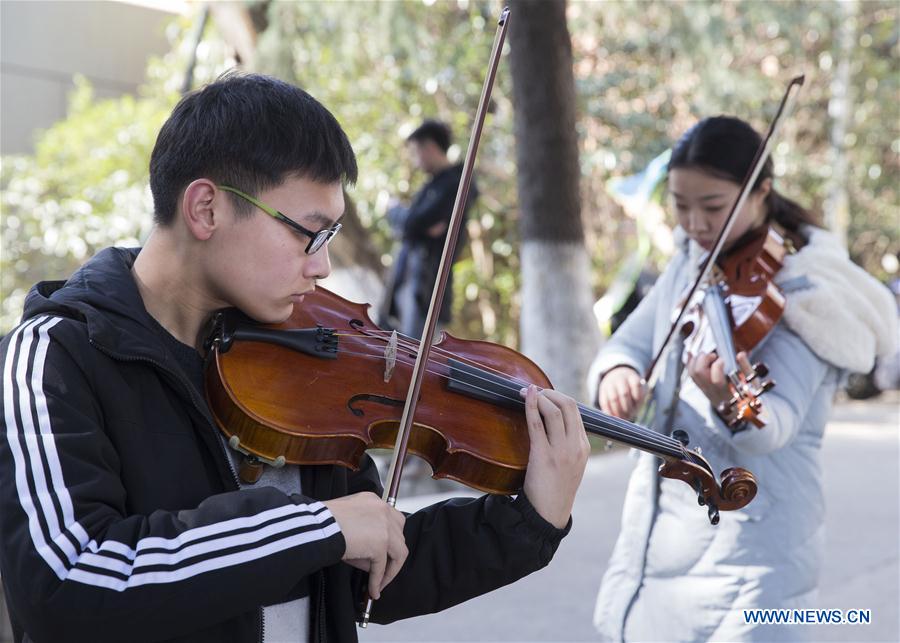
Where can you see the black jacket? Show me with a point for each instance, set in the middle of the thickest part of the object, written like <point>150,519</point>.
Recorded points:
<point>120,514</point>
<point>419,258</point>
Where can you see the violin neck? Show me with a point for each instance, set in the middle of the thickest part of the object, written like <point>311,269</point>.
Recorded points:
<point>496,388</point>
<point>629,433</point>
<point>720,324</point>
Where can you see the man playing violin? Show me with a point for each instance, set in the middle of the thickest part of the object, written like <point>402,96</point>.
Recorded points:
<point>122,517</point>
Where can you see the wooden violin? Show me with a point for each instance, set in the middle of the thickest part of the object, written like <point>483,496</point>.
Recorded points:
<point>327,384</point>
<point>740,306</point>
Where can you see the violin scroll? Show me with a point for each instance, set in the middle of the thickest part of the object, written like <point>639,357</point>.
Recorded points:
<point>737,489</point>
<point>738,486</point>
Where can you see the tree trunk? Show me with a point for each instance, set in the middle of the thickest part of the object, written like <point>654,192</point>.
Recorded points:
<point>558,329</point>
<point>840,108</point>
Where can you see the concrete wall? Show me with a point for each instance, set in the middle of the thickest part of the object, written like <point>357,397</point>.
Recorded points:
<point>44,43</point>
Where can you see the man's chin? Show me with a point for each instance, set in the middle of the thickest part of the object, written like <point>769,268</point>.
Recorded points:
<point>271,316</point>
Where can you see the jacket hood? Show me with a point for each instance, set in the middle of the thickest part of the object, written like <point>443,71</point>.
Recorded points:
<point>103,294</point>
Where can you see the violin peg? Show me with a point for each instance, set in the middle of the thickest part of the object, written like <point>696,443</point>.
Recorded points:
<point>713,514</point>
<point>681,436</point>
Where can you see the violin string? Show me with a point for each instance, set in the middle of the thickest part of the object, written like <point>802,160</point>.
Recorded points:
<point>606,426</point>
<point>599,417</point>
<point>622,430</point>
<point>412,344</point>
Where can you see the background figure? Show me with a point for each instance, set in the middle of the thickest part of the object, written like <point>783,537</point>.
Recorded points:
<point>422,230</point>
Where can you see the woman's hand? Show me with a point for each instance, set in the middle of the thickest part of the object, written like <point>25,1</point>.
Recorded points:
<point>621,391</point>
<point>708,372</point>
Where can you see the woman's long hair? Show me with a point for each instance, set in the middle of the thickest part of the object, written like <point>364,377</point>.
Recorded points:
<point>725,147</point>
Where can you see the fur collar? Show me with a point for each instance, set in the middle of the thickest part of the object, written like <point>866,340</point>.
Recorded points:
<point>845,315</point>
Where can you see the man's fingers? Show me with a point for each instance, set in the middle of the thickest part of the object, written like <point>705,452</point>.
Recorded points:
<point>376,575</point>
<point>571,416</point>
<point>396,558</point>
<point>536,431</point>
<point>552,416</point>
<point>624,405</point>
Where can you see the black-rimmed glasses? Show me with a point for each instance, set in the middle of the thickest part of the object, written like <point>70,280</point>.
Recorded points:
<point>316,239</point>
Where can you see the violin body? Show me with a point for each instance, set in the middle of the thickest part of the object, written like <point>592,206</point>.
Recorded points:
<point>308,409</point>
<point>741,305</point>
<point>748,271</point>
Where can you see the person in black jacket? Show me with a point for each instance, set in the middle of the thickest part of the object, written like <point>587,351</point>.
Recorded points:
<point>121,515</point>
<point>422,229</point>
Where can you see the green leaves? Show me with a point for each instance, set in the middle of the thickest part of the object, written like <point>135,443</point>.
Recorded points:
<point>85,188</point>
<point>644,73</point>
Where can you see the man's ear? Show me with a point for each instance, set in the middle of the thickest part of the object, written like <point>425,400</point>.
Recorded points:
<point>197,208</point>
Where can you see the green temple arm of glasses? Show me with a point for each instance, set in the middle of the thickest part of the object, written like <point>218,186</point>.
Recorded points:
<point>259,204</point>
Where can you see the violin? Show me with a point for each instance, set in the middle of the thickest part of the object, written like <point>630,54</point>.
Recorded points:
<point>740,305</point>
<point>328,384</point>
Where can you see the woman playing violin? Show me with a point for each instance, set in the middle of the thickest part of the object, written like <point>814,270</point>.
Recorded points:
<point>121,514</point>
<point>673,576</point>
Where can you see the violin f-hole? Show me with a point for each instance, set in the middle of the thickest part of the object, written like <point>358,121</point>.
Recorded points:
<point>369,397</point>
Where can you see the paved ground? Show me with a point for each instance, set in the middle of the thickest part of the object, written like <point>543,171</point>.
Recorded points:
<point>862,482</point>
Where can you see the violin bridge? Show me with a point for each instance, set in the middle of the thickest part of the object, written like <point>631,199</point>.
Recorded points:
<point>390,357</point>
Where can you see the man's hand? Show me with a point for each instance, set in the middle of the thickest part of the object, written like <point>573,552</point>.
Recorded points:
<point>621,392</point>
<point>559,453</point>
<point>373,531</point>
<point>439,229</point>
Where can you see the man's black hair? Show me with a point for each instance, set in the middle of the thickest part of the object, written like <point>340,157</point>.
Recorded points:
<point>432,130</point>
<point>250,132</point>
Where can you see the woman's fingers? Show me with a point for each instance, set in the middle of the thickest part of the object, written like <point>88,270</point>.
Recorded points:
<point>717,373</point>
<point>620,392</point>
<point>744,363</point>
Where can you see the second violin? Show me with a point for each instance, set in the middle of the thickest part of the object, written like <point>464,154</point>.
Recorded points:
<point>735,312</point>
